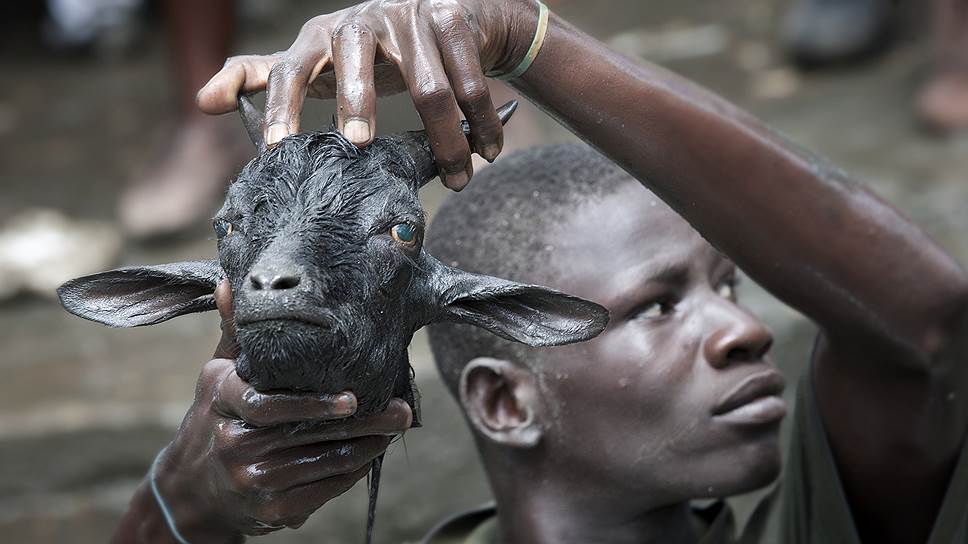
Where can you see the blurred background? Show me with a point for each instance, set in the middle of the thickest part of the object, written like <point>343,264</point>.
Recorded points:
<point>104,163</point>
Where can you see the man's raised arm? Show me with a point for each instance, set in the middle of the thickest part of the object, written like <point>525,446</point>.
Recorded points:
<point>891,370</point>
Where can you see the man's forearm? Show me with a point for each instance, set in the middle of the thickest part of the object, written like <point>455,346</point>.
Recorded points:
<point>799,227</point>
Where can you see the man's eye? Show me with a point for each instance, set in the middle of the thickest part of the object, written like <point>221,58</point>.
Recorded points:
<point>404,233</point>
<point>222,227</point>
<point>654,310</point>
<point>727,290</point>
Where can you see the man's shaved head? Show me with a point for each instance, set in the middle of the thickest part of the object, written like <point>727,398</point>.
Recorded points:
<point>505,224</point>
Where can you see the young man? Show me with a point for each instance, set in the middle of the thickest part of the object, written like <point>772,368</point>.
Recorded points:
<point>674,400</point>
<point>607,440</point>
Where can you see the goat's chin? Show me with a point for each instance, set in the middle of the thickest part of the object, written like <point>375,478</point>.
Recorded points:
<point>300,356</point>
<point>286,354</point>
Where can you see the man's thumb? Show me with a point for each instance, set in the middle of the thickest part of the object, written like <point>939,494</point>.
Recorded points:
<point>227,348</point>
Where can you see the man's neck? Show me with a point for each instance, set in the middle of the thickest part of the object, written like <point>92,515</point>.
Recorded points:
<point>543,511</point>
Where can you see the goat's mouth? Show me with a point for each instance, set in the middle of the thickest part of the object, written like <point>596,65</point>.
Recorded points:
<point>260,318</point>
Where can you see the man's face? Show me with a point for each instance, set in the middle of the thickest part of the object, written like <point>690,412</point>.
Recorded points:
<point>675,397</point>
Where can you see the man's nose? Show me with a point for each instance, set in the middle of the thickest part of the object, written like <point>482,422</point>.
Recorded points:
<point>737,337</point>
<point>278,278</point>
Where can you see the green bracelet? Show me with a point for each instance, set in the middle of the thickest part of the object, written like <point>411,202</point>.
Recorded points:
<point>536,43</point>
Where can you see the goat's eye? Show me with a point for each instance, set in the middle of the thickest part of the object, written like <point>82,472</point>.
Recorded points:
<point>222,227</point>
<point>405,233</point>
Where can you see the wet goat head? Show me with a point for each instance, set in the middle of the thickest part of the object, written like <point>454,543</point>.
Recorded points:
<point>321,242</point>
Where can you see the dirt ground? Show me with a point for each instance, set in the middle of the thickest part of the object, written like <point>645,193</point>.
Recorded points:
<point>83,409</point>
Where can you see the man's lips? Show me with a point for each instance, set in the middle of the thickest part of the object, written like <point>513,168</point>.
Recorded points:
<point>755,400</point>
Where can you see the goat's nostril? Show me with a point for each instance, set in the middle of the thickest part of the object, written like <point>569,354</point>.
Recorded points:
<point>284,282</point>
<point>259,282</point>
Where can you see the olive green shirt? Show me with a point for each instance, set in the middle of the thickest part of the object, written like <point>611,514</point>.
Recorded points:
<point>808,506</point>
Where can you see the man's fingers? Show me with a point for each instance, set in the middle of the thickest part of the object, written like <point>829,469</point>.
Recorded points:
<point>317,494</point>
<point>314,462</point>
<point>223,300</point>
<point>461,59</point>
<point>285,94</point>
<point>237,399</point>
<point>354,50</point>
<point>243,74</point>
<point>395,420</point>
<point>435,103</point>
<point>288,84</point>
<point>291,507</point>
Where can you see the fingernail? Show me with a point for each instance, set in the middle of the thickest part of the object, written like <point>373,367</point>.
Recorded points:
<point>276,132</point>
<point>346,403</point>
<point>490,152</point>
<point>357,131</point>
<point>455,180</point>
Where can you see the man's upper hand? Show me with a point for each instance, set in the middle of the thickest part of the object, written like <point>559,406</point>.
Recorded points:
<point>439,50</point>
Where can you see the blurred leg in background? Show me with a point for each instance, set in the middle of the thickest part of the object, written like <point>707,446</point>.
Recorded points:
<point>823,32</point>
<point>191,172</point>
<point>943,101</point>
<point>108,26</point>
<point>827,32</point>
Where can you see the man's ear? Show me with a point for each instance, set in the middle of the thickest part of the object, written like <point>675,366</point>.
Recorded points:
<point>501,401</point>
<point>529,314</point>
<point>143,295</point>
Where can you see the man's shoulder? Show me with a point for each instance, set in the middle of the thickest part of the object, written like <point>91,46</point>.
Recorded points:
<point>814,508</point>
<point>479,525</point>
<point>461,528</point>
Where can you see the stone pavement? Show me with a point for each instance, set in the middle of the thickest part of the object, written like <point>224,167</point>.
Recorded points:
<point>83,408</point>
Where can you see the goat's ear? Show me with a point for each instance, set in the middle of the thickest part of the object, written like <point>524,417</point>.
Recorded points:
<point>143,295</point>
<point>529,314</point>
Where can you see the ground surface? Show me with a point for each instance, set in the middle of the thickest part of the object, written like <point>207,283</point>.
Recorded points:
<point>83,409</point>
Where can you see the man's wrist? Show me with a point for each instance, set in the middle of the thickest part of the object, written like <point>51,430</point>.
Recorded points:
<point>145,523</point>
<point>520,22</point>
<point>193,515</point>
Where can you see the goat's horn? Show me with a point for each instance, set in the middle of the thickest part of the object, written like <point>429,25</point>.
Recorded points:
<point>253,119</point>
<point>419,146</point>
<point>504,113</point>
